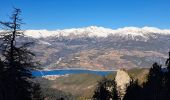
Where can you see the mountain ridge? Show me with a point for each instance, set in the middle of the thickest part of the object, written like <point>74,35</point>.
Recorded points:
<point>93,31</point>
<point>129,47</point>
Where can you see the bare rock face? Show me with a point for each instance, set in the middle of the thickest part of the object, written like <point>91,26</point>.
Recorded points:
<point>122,80</point>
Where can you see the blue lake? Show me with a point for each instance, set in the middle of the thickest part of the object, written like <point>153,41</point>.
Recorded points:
<point>71,71</point>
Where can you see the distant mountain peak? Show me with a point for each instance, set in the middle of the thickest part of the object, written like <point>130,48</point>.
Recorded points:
<point>91,31</point>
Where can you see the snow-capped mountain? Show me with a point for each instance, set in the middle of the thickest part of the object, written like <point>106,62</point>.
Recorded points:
<point>99,48</point>
<point>93,31</point>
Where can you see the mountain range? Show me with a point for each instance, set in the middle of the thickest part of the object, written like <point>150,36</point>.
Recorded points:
<point>99,48</point>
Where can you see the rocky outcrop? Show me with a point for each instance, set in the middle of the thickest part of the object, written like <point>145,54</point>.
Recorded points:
<point>122,80</point>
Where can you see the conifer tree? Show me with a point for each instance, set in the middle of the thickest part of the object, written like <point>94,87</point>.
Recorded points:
<point>133,91</point>
<point>167,79</point>
<point>16,61</point>
<point>114,92</point>
<point>153,88</point>
<point>101,92</point>
<point>106,90</point>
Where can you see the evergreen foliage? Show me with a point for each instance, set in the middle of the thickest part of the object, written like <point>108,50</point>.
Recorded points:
<point>16,62</point>
<point>106,90</point>
<point>157,86</point>
<point>133,91</point>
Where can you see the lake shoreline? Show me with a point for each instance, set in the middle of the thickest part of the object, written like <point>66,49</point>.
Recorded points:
<point>77,69</point>
<point>71,71</point>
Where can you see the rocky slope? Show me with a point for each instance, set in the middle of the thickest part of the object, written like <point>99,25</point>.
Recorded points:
<point>99,48</point>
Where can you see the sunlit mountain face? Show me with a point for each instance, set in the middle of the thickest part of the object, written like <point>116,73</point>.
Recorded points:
<point>99,48</point>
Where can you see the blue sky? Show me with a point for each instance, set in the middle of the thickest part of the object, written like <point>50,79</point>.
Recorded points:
<point>60,14</point>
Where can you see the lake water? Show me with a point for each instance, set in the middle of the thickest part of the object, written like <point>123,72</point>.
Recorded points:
<point>71,71</point>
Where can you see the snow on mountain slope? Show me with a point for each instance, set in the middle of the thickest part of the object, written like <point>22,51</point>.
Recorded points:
<point>91,31</point>
<point>126,47</point>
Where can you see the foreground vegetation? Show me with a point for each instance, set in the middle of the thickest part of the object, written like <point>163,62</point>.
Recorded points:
<point>16,61</point>
<point>154,86</point>
<point>83,86</point>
